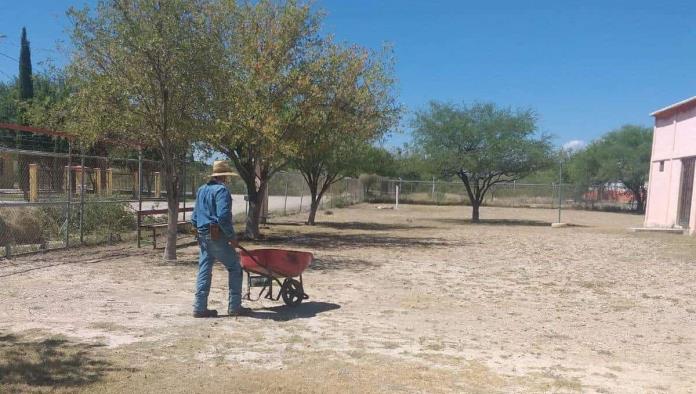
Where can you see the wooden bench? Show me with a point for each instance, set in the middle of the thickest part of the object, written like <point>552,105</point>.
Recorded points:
<point>154,226</point>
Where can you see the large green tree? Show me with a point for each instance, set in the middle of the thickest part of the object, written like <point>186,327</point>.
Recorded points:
<point>350,105</point>
<point>482,144</point>
<point>259,88</point>
<point>141,70</point>
<point>622,155</point>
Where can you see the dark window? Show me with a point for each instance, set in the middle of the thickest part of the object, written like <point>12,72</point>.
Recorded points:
<point>662,166</point>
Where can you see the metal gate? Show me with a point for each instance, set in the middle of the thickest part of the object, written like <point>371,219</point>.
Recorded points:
<point>686,191</point>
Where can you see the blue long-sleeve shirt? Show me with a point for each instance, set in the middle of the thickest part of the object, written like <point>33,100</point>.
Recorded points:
<point>213,205</point>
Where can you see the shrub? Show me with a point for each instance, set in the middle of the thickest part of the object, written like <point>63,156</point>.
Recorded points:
<point>101,218</point>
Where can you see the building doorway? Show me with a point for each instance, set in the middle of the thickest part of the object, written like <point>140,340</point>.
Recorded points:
<point>686,192</point>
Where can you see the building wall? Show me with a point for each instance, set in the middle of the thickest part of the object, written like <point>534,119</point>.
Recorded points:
<point>656,213</point>
<point>674,138</point>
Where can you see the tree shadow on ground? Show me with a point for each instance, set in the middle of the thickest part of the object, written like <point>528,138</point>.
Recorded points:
<point>49,364</point>
<point>498,222</point>
<point>305,310</point>
<point>336,240</point>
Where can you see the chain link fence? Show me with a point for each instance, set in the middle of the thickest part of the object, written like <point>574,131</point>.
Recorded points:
<point>612,197</point>
<point>55,196</point>
<point>58,197</point>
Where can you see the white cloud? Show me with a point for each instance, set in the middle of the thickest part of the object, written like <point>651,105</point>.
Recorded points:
<point>574,145</point>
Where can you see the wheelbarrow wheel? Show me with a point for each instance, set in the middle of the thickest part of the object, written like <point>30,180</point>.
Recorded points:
<point>292,292</point>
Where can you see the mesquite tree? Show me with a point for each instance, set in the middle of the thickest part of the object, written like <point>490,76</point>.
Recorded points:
<point>259,89</point>
<point>350,106</point>
<point>141,70</point>
<point>482,144</point>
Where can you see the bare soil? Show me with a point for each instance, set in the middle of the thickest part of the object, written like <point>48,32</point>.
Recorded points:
<point>411,300</point>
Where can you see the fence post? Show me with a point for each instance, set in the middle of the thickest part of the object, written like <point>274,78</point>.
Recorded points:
<point>158,187</point>
<point>140,179</point>
<point>33,182</point>
<point>98,181</point>
<point>434,200</point>
<point>396,206</point>
<point>66,178</point>
<point>67,210</point>
<point>82,195</point>
<point>135,183</point>
<point>285,207</point>
<point>301,197</point>
<point>109,182</point>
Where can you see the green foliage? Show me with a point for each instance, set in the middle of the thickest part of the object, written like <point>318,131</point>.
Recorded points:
<point>9,96</point>
<point>26,84</point>
<point>622,155</point>
<point>482,144</point>
<point>379,161</point>
<point>369,181</point>
<point>348,106</point>
<point>262,54</point>
<point>142,72</point>
<point>411,163</point>
<point>100,219</point>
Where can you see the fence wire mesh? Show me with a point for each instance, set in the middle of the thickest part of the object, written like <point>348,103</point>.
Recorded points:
<point>59,196</point>
<point>510,194</point>
<point>66,197</point>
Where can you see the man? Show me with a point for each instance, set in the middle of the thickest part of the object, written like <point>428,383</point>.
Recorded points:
<point>212,219</point>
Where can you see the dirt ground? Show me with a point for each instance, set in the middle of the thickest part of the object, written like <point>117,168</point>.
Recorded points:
<point>414,300</point>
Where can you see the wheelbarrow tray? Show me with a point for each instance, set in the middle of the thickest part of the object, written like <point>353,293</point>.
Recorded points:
<point>276,262</point>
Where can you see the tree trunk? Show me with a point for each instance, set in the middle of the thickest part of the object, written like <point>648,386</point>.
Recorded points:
<point>475,205</point>
<point>172,185</point>
<point>255,207</point>
<point>640,201</point>
<point>313,208</point>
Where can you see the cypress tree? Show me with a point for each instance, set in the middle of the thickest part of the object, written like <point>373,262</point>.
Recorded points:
<point>26,92</point>
<point>26,85</point>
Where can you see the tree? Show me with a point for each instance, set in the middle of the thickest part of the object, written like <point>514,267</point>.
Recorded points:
<point>379,161</point>
<point>622,155</point>
<point>349,107</point>
<point>26,93</point>
<point>482,144</point>
<point>26,84</point>
<point>141,70</point>
<point>258,90</point>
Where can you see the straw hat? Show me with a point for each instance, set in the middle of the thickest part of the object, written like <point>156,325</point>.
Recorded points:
<point>222,168</point>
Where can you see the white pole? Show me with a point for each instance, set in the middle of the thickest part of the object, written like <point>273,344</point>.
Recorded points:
<point>433,189</point>
<point>397,197</point>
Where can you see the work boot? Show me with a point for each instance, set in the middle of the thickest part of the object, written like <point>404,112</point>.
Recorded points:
<point>241,311</point>
<point>205,313</point>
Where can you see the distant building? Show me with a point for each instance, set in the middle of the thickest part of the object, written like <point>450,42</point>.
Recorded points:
<point>671,182</point>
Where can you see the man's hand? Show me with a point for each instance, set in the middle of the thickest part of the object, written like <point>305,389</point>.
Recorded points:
<point>234,243</point>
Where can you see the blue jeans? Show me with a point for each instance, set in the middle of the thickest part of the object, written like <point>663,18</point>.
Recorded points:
<point>217,250</point>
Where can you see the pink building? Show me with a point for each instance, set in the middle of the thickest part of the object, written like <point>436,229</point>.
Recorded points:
<point>671,181</point>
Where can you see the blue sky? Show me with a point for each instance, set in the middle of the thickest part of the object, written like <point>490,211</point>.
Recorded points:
<point>586,66</point>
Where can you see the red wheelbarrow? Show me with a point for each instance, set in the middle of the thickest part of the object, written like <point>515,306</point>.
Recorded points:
<point>267,266</point>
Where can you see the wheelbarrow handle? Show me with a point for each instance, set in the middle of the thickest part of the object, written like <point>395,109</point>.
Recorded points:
<point>243,249</point>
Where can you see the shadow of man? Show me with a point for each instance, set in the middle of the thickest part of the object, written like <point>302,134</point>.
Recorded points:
<point>305,310</point>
